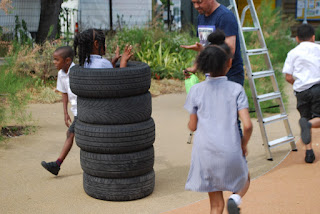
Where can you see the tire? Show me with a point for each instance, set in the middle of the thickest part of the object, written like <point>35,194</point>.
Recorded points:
<point>115,111</point>
<point>115,139</point>
<point>125,189</point>
<point>132,80</point>
<point>117,165</point>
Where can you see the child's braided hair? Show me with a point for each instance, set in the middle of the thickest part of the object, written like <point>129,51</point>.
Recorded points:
<point>84,42</point>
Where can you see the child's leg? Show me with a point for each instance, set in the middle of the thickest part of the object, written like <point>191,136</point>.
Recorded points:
<point>235,199</point>
<point>66,147</point>
<point>54,167</point>
<point>216,202</point>
<point>315,122</point>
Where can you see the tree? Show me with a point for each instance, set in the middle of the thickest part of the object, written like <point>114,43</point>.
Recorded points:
<point>49,19</point>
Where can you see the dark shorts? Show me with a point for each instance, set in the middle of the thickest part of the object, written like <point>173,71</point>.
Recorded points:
<point>71,127</point>
<point>308,102</point>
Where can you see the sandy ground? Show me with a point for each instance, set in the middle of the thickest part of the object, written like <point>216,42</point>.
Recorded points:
<point>25,187</point>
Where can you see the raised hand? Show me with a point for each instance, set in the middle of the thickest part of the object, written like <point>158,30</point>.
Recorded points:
<point>126,55</point>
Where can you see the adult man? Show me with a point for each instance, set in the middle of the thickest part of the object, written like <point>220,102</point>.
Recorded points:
<point>213,16</point>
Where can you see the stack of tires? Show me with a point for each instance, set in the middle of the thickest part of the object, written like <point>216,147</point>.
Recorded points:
<point>115,131</point>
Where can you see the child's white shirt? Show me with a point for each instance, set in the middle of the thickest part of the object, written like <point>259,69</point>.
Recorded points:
<point>303,63</point>
<point>97,61</point>
<point>63,85</point>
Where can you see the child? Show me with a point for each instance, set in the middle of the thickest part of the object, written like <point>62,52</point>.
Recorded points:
<point>218,157</point>
<point>91,44</point>
<point>302,69</point>
<point>63,61</point>
<point>91,48</point>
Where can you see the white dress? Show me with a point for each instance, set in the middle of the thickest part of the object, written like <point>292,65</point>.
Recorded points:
<point>217,161</point>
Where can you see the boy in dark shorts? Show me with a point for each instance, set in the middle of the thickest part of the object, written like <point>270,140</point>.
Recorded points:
<point>63,61</point>
<point>302,69</point>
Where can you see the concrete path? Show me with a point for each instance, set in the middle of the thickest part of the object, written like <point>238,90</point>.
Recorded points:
<point>25,187</point>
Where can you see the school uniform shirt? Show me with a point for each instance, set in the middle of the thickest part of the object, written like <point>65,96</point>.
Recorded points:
<point>63,85</point>
<point>303,63</point>
<point>97,61</point>
<point>217,161</point>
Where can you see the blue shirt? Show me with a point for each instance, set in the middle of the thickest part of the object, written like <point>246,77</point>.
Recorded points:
<point>222,18</point>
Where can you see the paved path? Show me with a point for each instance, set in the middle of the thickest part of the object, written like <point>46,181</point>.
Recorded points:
<point>27,188</point>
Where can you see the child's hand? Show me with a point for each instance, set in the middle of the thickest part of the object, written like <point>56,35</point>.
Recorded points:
<point>116,57</point>
<point>67,119</point>
<point>126,55</point>
<point>244,150</point>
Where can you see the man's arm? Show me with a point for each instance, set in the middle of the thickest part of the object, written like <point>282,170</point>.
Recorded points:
<point>231,42</point>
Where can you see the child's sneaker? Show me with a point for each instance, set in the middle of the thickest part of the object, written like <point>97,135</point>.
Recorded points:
<point>52,167</point>
<point>309,156</point>
<point>233,207</point>
<point>305,126</point>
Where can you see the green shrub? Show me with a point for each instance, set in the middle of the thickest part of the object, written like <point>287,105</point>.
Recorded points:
<point>158,48</point>
<point>12,95</point>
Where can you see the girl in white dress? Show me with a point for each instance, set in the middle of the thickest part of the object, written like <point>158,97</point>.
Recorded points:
<point>218,156</point>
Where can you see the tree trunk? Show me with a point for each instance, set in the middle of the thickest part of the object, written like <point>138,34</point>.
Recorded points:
<point>49,16</point>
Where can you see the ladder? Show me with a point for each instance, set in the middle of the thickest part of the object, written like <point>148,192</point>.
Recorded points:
<point>269,72</point>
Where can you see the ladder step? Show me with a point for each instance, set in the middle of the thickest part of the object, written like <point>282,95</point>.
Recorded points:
<point>269,96</point>
<point>286,139</point>
<point>260,74</point>
<point>274,118</point>
<point>250,29</point>
<point>257,51</point>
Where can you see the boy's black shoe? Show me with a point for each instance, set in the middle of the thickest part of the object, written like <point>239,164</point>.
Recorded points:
<point>52,167</point>
<point>233,207</point>
<point>309,156</point>
<point>305,130</point>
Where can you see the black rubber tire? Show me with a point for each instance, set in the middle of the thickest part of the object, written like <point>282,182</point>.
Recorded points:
<point>132,80</point>
<point>115,139</point>
<point>115,111</point>
<point>123,189</point>
<point>117,165</point>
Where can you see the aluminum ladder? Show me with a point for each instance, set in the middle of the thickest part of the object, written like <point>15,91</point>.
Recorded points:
<point>252,76</point>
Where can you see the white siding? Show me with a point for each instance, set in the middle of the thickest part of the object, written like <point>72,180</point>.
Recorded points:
<point>132,12</point>
<point>96,13</point>
<point>93,14</point>
<point>29,11</point>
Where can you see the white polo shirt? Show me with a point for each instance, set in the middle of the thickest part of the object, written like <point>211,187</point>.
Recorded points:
<point>97,61</point>
<point>303,63</point>
<point>63,85</point>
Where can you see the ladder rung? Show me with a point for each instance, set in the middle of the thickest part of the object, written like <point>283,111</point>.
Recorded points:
<point>286,139</point>
<point>257,51</point>
<point>260,74</point>
<point>269,96</point>
<point>250,29</point>
<point>274,118</point>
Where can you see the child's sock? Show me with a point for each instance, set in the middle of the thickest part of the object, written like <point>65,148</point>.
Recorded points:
<point>236,198</point>
<point>59,161</point>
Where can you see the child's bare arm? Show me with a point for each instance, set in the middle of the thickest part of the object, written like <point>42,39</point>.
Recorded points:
<point>126,55</point>
<point>247,128</point>
<point>290,79</point>
<point>116,57</point>
<point>67,118</point>
<point>192,125</point>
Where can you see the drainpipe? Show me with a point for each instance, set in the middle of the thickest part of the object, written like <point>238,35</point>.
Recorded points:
<point>110,12</point>
<point>168,9</point>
